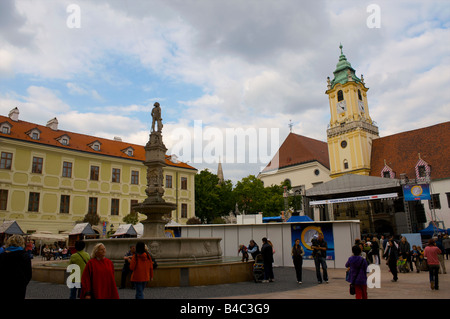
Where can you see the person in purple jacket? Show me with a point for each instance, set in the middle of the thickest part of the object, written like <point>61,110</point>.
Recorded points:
<point>357,272</point>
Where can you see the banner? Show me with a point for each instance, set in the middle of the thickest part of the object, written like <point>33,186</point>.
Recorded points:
<point>307,231</point>
<point>416,192</point>
<point>352,199</point>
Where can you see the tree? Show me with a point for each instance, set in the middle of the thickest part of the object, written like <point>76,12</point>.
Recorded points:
<point>212,199</point>
<point>131,218</point>
<point>250,195</point>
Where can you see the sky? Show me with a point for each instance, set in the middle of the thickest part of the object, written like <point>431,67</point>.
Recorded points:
<point>223,71</point>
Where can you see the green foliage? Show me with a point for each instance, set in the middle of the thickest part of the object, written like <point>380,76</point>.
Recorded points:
<point>212,199</point>
<point>131,218</point>
<point>92,219</point>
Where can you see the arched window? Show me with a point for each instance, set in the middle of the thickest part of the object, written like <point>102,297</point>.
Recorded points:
<point>359,95</point>
<point>340,95</point>
<point>345,164</point>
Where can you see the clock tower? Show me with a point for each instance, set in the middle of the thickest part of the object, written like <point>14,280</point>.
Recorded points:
<point>351,130</point>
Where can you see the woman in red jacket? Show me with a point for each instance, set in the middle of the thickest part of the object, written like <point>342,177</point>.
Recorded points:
<point>97,280</point>
<point>431,253</point>
<point>142,266</point>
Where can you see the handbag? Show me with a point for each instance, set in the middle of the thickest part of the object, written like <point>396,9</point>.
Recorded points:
<point>424,265</point>
<point>352,284</point>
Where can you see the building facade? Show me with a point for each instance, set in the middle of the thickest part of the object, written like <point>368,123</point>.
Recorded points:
<point>365,173</point>
<point>50,178</point>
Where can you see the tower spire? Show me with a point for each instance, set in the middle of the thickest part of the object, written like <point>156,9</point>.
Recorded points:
<point>220,172</point>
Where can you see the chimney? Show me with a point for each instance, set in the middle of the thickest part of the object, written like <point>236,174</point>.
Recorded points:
<point>14,114</point>
<point>53,124</point>
<point>117,138</point>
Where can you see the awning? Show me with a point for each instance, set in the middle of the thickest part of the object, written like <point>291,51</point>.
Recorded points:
<point>352,199</point>
<point>83,228</point>
<point>126,229</point>
<point>10,227</point>
<point>47,236</point>
<point>352,183</point>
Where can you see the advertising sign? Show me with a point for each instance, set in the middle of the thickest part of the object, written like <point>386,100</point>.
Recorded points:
<point>416,192</point>
<point>307,231</point>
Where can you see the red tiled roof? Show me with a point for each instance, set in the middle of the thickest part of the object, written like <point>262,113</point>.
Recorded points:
<point>78,142</point>
<point>297,149</point>
<point>401,151</point>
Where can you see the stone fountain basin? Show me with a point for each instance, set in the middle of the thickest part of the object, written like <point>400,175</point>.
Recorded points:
<point>164,250</point>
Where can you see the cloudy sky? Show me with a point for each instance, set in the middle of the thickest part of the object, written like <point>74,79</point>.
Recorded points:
<point>248,66</point>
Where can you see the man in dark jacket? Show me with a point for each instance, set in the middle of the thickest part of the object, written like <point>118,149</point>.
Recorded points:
<point>391,256</point>
<point>267,254</point>
<point>319,247</point>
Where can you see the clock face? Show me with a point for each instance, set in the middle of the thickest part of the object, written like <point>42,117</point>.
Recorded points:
<point>341,107</point>
<point>361,106</point>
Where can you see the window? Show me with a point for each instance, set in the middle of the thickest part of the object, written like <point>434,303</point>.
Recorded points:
<point>184,183</point>
<point>35,136</point>
<point>168,181</point>
<point>37,165</point>
<point>6,160</point>
<point>33,202</point>
<point>116,175</point>
<point>132,203</point>
<point>340,95</point>
<point>65,204</point>
<point>345,164</point>
<point>92,209</point>
<point>448,199</point>
<point>135,177</point>
<point>3,199</point>
<point>434,202</point>
<point>64,141</point>
<point>95,170</point>
<point>67,169</point>
<point>359,95</point>
<point>422,171</point>
<point>386,174</point>
<point>183,210</point>
<point>5,130</point>
<point>114,206</point>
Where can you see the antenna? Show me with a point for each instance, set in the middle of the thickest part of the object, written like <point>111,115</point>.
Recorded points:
<point>290,125</point>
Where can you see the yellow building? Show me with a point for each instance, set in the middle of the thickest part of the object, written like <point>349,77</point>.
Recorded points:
<point>351,129</point>
<point>50,178</point>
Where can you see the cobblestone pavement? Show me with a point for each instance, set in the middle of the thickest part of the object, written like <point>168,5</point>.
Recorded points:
<point>410,285</point>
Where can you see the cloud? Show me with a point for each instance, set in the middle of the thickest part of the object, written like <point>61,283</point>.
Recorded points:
<point>230,64</point>
<point>75,89</point>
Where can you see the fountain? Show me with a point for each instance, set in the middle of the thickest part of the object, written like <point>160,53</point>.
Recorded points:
<point>181,261</point>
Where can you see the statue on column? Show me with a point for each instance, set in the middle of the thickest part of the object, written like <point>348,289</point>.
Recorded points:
<point>156,117</point>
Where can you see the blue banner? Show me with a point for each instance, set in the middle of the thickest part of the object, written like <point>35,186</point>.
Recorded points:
<point>416,192</point>
<point>305,232</point>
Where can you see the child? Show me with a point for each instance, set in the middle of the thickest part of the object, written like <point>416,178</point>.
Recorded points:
<point>243,250</point>
<point>415,257</point>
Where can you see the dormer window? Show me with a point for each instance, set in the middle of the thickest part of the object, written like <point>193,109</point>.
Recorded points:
<point>64,139</point>
<point>5,128</point>
<point>423,170</point>
<point>387,172</point>
<point>95,145</point>
<point>129,151</point>
<point>35,134</point>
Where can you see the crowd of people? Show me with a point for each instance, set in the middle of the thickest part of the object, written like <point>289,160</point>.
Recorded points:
<point>98,281</point>
<point>400,256</point>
